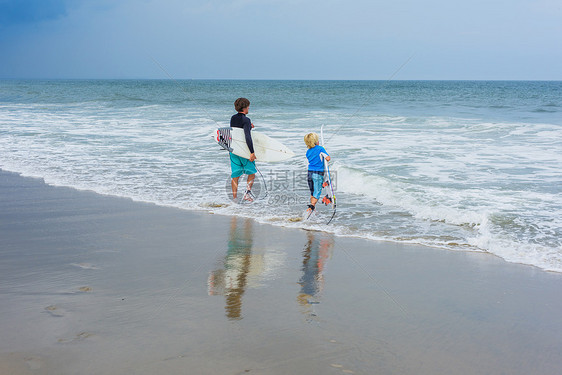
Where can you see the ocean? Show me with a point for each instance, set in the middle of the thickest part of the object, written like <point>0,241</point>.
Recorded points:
<point>458,165</point>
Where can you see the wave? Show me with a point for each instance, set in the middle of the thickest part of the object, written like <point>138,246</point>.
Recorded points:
<point>544,110</point>
<point>471,219</point>
<point>431,203</point>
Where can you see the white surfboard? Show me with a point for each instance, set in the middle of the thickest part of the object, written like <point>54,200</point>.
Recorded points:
<point>266,148</point>
<point>327,187</point>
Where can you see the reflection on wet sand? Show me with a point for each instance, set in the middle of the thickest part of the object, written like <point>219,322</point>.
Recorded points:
<point>232,278</point>
<point>316,252</point>
<point>245,267</point>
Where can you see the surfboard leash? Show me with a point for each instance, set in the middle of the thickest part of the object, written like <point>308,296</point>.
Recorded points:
<point>264,183</point>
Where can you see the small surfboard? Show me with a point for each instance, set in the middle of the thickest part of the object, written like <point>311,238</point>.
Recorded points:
<point>328,196</point>
<point>266,148</point>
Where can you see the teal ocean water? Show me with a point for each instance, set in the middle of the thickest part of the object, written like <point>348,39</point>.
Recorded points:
<point>467,165</point>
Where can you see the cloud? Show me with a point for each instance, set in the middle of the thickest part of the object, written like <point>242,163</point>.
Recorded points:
<point>16,12</point>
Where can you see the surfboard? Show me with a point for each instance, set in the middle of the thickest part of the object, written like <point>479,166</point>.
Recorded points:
<point>266,148</point>
<point>329,198</point>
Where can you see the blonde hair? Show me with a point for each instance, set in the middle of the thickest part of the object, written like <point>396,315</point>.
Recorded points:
<point>311,140</point>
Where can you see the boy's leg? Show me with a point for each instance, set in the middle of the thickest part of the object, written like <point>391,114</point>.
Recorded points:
<point>317,180</point>
<point>315,185</point>
<point>248,196</point>
<point>234,185</point>
<point>250,181</point>
<point>236,167</point>
<point>310,182</point>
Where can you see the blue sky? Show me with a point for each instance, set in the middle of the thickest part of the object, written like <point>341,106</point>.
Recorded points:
<point>281,39</point>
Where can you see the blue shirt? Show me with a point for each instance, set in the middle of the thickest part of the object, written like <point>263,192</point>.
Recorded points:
<point>315,162</point>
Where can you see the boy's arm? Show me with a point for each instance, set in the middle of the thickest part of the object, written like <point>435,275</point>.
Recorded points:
<point>248,135</point>
<point>324,154</point>
<point>247,128</point>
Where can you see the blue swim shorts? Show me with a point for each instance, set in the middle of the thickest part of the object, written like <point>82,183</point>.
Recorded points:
<point>315,180</point>
<point>240,166</point>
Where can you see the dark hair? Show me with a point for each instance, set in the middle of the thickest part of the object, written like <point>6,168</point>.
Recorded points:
<point>241,103</point>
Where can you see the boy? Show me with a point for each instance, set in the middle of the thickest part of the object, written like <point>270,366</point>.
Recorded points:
<point>315,156</point>
<point>238,165</point>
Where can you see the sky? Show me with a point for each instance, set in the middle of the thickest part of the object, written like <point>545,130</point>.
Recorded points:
<point>282,39</point>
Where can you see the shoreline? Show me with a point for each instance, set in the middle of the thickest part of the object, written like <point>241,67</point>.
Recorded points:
<point>209,211</point>
<point>100,284</point>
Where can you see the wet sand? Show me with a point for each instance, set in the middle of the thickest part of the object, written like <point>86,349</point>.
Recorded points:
<point>91,284</point>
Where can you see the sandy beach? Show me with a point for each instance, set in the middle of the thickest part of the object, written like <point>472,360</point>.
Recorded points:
<point>92,284</point>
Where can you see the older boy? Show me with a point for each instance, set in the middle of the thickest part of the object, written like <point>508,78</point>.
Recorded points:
<point>239,165</point>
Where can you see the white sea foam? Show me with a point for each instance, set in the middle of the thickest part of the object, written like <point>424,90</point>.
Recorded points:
<point>466,208</point>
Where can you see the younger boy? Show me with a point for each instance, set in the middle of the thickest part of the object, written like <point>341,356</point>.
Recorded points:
<point>315,156</point>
